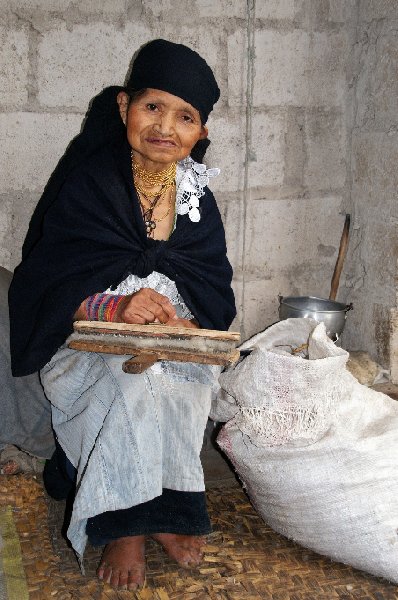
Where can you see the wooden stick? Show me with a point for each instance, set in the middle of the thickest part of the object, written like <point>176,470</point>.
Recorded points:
<point>340,259</point>
<point>150,343</point>
<point>139,364</point>
<point>152,330</point>
<point>210,358</point>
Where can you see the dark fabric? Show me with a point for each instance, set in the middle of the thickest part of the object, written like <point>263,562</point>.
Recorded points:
<point>199,150</point>
<point>59,475</point>
<point>25,413</point>
<point>183,513</point>
<point>93,236</point>
<point>174,511</point>
<point>178,70</point>
<point>103,125</point>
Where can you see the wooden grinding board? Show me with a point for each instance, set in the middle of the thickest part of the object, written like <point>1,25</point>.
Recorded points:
<point>149,343</point>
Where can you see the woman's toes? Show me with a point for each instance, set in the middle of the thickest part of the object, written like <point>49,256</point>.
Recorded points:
<point>123,563</point>
<point>185,549</point>
<point>115,579</point>
<point>134,582</point>
<point>100,571</point>
<point>107,574</point>
<point>123,579</point>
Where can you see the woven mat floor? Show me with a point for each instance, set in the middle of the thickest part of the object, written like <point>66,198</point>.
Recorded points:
<point>244,560</point>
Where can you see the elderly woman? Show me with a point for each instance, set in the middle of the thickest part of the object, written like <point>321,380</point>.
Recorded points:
<point>127,231</point>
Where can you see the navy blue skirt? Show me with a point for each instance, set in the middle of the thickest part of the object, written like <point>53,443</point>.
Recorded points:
<point>174,511</point>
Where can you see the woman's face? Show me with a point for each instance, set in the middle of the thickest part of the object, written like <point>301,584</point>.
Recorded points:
<point>161,128</point>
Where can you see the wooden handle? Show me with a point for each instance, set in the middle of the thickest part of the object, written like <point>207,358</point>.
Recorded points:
<point>139,364</point>
<point>340,259</point>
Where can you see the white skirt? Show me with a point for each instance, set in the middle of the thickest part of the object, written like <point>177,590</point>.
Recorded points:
<point>128,436</point>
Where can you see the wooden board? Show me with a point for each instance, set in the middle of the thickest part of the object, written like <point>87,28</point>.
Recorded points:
<point>154,330</point>
<point>155,342</point>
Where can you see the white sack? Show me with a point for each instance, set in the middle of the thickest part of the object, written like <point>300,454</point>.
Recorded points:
<point>316,450</point>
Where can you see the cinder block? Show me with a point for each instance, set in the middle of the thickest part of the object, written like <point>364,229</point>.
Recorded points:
<point>280,65</point>
<point>32,145</point>
<point>260,304</point>
<point>193,9</point>
<point>158,8</point>
<point>5,218</point>
<point>14,67</point>
<point>296,239</point>
<point>267,147</point>
<point>325,140</point>
<point>222,8</point>
<point>375,174</point>
<point>227,133</point>
<point>42,5</point>
<point>5,258</point>
<point>342,11</point>
<point>294,150</point>
<point>298,68</point>
<point>237,68</point>
<point>315,15</point>
<point>377,87</point>
<point>385,83</point>
<point>276,9</point>
<point>5,226</point>
<point>15,212</point>
<point>75,65</point>
<point>377,9</point>
<point>371,280</point>
<point>367,327</point>
<point>228,151</point>
<point>237,288</point>
<point>378,257</point>
<point>105,7</point>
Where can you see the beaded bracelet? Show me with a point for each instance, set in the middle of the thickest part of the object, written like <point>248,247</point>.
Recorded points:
<point>102,307</point>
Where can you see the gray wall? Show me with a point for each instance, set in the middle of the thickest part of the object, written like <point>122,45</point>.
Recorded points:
<point>288,133</point>
<point>371,282</point>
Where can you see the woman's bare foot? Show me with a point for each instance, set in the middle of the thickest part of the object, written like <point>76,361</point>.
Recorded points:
<point>185,549</point>
<point>123,563</point>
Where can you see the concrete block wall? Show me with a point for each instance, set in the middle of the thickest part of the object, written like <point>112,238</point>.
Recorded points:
<point>281,132</point>
<point>371,275</point>
<point>285,224</point>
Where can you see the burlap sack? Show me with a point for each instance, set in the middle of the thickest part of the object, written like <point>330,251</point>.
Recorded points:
<point>316,450</point>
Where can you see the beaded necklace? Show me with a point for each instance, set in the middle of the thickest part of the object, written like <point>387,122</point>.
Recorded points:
<point>166,179</point>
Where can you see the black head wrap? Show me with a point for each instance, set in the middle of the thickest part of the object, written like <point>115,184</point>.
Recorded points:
<point>161,65</point>
<point>178,70</point>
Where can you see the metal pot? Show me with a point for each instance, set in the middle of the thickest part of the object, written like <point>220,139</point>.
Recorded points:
<point>332,313</point>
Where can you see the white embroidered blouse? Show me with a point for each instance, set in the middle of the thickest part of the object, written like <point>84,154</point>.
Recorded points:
<point>191,179</point>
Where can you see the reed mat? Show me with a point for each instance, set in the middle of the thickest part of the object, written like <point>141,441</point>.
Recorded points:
<point>244,559</point>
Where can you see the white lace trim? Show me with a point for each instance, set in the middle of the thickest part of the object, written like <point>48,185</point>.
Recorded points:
<point>158,282</point>
<point>191,179</point>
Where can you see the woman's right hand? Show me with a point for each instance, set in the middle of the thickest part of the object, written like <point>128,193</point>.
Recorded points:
<point>145,306</point>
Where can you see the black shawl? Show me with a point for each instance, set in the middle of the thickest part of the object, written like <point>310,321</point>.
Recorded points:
<point>92,236</point>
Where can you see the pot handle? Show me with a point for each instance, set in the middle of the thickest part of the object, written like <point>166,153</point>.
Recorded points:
<point>348,307</point>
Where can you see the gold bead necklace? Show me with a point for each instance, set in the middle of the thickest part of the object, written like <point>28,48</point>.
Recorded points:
<point>166,179</point>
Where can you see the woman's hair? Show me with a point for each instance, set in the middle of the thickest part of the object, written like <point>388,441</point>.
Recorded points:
<point>135,94</point>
